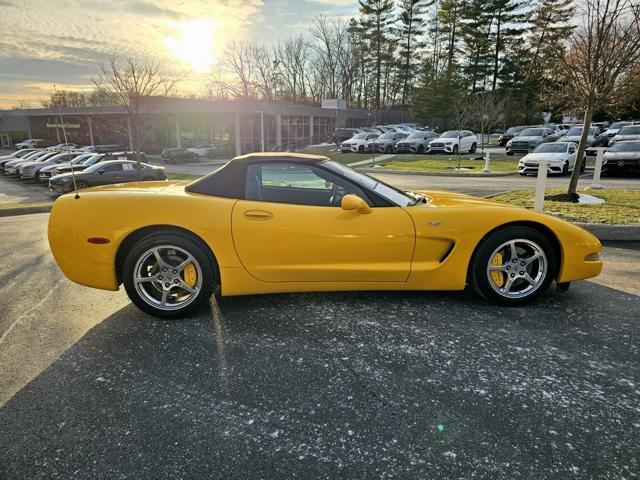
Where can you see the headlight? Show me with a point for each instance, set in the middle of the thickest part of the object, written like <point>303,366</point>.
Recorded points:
<point>509,143</point>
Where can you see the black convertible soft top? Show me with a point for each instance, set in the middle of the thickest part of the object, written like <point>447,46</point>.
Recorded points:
<point>229,181</point>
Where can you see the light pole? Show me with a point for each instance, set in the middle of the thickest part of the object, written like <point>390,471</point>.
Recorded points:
<point>261,128</point>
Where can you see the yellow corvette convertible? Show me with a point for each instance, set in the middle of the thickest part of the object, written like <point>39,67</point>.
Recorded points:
<point>297,223</point>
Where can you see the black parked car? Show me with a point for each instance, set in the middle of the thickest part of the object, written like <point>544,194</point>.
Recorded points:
<point>509,134</point>
<point>179,155</point>
<point>623,157</point>
<point>106,173</point>
<point>342,134</point>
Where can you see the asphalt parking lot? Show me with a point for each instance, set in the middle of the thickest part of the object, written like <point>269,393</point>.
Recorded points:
<point>340,385</point>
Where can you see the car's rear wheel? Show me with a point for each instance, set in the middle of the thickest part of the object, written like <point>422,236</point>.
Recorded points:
<point>168,275</point>
<point>513,265</point>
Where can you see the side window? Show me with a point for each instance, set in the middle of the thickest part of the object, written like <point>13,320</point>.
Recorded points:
<point>297,184</point>
<point>115,167</point>
<point>127,166</point>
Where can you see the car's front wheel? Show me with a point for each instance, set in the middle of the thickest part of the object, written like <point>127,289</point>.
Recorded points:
<point>169,275</point>
<point>513,265</point>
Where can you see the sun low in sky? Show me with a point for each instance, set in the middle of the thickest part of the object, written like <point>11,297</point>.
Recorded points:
<point>193,43</point>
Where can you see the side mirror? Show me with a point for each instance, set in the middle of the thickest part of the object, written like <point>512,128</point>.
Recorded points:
<point>354,202</point>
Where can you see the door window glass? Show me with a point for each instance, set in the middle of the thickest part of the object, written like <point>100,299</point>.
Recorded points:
<point>297,184</point>
<point>112,168</point>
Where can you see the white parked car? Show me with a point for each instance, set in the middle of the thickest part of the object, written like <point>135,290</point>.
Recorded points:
<point>11,168</point>
<point>454,141</point>
<point>575,133</point>
<point>561,158</point>
<point>206,150</point>
<point>31,143</point>
<point>630,132</point>
<point>357,143</point>
<point>64,146</point>
<point>32,169</point>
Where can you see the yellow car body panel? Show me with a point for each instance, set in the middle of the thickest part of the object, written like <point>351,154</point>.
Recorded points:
<point>301,248</point>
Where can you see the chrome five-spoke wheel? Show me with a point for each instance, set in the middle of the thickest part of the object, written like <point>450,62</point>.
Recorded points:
<point>167,277</point>
<point>517,268</point>
<point>514,265</point>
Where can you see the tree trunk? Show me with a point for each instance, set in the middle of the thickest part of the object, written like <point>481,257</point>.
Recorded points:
<point>577,166</point>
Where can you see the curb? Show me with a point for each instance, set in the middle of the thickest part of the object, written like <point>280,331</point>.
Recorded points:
<point>613,233</point>
<point>435,174</point>
<point>10,212</point>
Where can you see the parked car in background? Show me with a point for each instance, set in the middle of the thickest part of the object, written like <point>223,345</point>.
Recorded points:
<point>112,147</point>
<point>209,150</point>
<point>601,126</point>
<point>358,143</point>
<point>385,143</point>
<point>49,171</point>
<point>64,146</point>
<point>609,133</point>
<point>342,134</point>
<point>31,169</point>
<point>11,168</point>
<point>528,139</point>
<point>179,155</point>
<point>417,142</point>
<point>561,158</point>
<point>106,173</point>
<point>558,130</point>
<point>19,155</point>
<point>630,132</point>
<point>32,143</point>
<point>454,141</point>
<point>509,134</point>
<point>623,157</point>
<point>102,157</point>
<point>575,133</point>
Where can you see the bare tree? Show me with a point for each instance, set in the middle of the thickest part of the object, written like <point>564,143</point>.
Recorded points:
<point>135,86</point>
<point>486,109</point>
<point>602,59</point>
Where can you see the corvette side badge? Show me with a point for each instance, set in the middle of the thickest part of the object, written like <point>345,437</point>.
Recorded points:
<point>434,223</point>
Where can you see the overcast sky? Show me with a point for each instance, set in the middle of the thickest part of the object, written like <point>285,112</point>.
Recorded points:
<point>43,42</point>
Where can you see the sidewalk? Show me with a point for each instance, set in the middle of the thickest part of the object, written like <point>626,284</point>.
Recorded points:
<point>370,161</point>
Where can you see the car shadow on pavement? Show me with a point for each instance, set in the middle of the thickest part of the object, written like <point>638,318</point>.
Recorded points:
<point>340,385</point>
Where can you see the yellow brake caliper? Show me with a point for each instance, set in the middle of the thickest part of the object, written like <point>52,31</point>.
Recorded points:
<point>496,275</point>
<point>190,275</point>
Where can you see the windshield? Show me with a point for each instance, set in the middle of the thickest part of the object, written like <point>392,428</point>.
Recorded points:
<point>577,131</point>
<point>618,125</point>
<point>635,130</point>
<point>532,132</point>
<point>450,134</point>
<point>551,148</point>
<point>626,147</point>
<point>514,130</point>
<point>388,135</point>
<point>81,158</point>
<point>94,167</point>
<point>386,191</point>
<point>416,136</point>
<point>360,136</point>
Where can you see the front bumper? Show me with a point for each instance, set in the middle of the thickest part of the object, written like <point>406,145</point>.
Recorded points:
<point>27,174</point>
<point>378,148</point>
<point>441,148</point>
<point>520,148</point>
<point>620,166</point>
<point>60,187</point>
<point>532,167</point>
<point>349,148</point>
<point>408,148</point>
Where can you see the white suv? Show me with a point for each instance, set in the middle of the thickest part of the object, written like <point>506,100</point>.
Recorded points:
<point>31,143</point>
<point>357,143</point>
<point>454,141</point>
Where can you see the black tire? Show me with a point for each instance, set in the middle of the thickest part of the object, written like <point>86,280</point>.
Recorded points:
<point>473,148</point>
<point>455,149</point>
<point>565,169</point>
<point>420,148</point>
<point>389,149</point>
<point>189,244</point>
<point>361,149</point>
<point>478,272</point>
<point>148,179</point>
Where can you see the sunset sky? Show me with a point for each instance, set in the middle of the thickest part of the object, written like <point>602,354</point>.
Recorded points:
<point>43,42</point>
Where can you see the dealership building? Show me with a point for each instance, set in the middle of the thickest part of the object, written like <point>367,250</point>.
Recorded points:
<point>243,125</point>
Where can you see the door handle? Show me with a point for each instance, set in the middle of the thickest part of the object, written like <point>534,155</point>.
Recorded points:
<point>258,215</point>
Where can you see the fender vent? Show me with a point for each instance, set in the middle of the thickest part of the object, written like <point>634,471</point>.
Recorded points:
<point>448,252</point>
